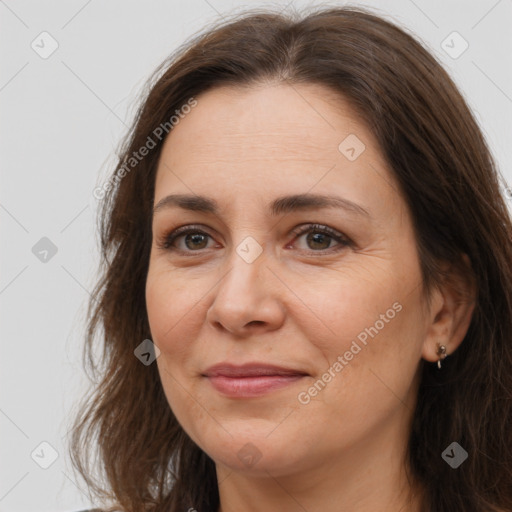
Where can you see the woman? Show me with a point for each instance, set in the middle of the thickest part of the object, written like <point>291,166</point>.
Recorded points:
<point>307,295</point>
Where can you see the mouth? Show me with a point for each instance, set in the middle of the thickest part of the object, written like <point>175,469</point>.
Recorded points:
<point>251,380</point>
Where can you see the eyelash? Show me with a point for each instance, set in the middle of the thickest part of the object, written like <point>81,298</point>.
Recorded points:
<point>166,241</point>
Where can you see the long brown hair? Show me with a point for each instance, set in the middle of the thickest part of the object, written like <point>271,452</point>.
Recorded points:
<point>447,176</point>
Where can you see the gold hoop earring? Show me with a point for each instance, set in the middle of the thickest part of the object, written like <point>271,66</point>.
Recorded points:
<point>441,352</point>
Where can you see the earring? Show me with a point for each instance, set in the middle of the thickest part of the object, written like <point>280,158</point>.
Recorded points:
<point>441,352</point>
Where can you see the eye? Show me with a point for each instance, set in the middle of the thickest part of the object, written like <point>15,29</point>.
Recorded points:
<point>189,238</point>
<point>320,238</point>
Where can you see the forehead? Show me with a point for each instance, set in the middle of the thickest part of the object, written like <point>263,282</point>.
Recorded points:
<point>307,120</point>
<point>264,138</point>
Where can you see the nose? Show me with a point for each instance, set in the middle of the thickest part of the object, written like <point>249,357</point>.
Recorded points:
<point>247,299</point>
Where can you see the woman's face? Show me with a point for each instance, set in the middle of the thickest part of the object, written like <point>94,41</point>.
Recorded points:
<point>299,276</point>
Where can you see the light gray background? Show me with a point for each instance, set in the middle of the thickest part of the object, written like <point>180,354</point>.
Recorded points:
<point>61,119</point>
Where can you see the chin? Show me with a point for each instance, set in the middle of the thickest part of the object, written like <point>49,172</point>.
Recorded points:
<point>257,455</point>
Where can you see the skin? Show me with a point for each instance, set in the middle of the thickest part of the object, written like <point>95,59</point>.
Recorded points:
<point>298,304</point>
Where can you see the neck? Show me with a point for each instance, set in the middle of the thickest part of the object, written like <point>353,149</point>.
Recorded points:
<point>363,492</point>
<point>368,476</point>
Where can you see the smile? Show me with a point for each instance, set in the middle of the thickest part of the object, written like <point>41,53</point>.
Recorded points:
<point>250,380</point>
<point>248,387</point>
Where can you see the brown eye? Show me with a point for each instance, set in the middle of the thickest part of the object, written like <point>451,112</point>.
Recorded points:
<point>321,238</point>
<point>318,240</point>
<point>185,239</point>
<point>196,241</point>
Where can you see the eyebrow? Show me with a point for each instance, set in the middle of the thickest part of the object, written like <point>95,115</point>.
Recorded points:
<point>279,206</point>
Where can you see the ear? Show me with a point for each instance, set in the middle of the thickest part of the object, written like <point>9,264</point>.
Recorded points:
<point>451,310</point>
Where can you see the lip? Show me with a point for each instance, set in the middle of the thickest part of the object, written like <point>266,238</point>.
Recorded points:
<point>251,379</point>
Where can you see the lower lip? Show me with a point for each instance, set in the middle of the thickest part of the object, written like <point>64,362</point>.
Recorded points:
<point>248,387</point>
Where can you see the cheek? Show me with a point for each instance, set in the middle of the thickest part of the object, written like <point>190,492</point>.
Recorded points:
<point>346,306</point>
<point>369,336</point>
<point>171,310</point>
<point>171,307</point>
<point>167,292</point>
<point>184,401</point>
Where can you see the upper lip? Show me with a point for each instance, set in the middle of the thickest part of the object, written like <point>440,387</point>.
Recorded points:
<point>249,370</point>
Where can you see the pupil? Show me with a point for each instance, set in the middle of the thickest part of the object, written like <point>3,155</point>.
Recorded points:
<point>318,238</point>
<point>195,238</point>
